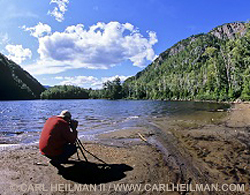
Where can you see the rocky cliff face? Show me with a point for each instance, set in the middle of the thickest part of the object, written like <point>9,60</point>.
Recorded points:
<point>225,31</point>
<point>177,48</point>
<point>16,83</point>
<point>229,30</point>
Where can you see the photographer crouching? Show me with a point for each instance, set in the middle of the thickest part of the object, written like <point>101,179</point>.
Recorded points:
<point>58,137</point>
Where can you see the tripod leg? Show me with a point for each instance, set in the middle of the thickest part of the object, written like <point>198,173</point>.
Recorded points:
<point>79,147</point>
<point>78,155</point>
<point>80,144</point>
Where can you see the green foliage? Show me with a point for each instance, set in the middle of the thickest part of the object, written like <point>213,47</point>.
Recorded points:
<point>15,83</point>
<point>111,90</point>
<point>65,92</point>
<point>199,67</point>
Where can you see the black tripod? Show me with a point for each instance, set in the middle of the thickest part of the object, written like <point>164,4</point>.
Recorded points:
<point>81,148</point>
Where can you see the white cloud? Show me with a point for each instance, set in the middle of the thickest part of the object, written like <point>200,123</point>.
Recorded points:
<point>88,81</point>
<point>153,38</point>
<point>59,11</point>
<point>78,80</point>
<point>17,53</point>
<point>39,30</point>
<point>46,67</point>
<point>102,46</point>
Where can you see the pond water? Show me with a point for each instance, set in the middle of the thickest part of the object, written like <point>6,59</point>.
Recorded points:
<point>22,121</point>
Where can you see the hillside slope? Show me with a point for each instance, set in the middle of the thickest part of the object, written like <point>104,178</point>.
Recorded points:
<point>212,66</point>
<point>16,83</point>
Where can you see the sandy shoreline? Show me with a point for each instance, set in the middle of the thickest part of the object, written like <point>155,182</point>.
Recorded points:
<point>207,149</point>
<point>215,144</point>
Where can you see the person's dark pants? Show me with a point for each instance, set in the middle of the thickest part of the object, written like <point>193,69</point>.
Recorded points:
<point>68,151</point>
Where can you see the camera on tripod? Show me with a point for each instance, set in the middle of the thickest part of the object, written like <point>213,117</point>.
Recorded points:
<point>73,124</point>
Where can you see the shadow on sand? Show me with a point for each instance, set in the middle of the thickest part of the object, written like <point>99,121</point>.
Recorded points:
<point>92,173</point>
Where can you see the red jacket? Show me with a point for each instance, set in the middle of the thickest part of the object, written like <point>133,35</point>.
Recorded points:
<point>55,134</point>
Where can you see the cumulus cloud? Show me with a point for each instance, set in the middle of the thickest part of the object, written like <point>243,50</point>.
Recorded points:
<point>88,81</point>
<point>102,46</point>
<point>59,11</point>
<point>39,30</point>
<point>17,53</point>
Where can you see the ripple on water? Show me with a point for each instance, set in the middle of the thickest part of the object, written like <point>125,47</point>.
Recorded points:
<point>22,121</point>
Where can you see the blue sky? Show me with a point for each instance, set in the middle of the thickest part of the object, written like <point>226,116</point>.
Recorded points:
<point>87,42</point>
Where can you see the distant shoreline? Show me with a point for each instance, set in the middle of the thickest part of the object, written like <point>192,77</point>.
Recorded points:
<point>178,100</point>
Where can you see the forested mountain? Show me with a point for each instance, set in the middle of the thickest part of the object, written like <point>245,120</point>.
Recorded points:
<point>16,83</point>
<point>212,66</point>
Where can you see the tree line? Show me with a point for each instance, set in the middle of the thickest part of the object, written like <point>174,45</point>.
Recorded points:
<point>110,90</point>
<point>201,67</point>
